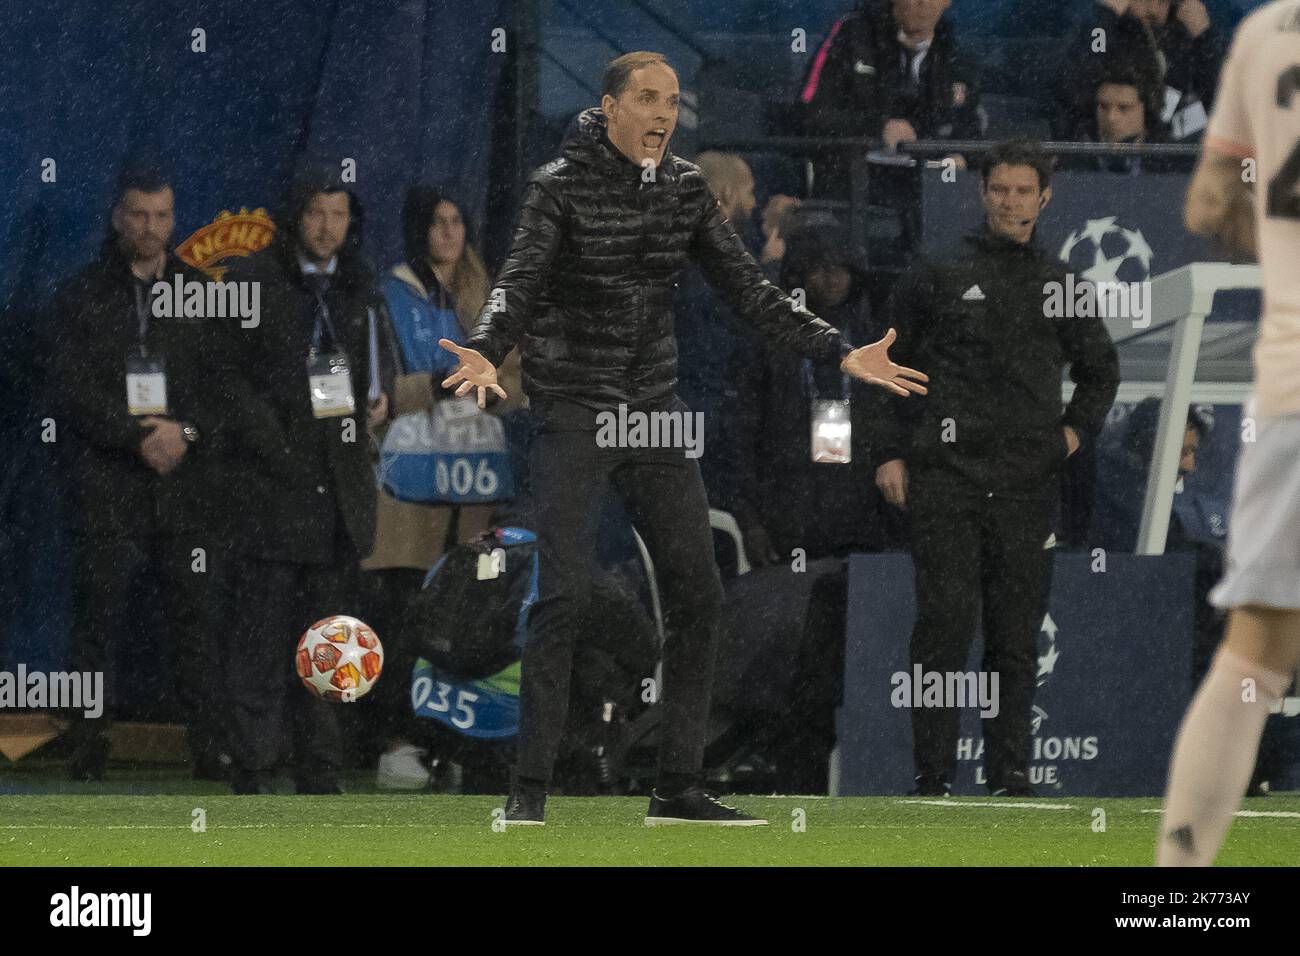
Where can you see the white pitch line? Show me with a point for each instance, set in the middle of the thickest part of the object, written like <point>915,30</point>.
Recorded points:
<point>1289,814</point>
<point>231,826</point>
<point>988,803</point>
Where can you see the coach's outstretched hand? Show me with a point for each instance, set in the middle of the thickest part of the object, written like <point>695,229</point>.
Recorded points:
<point>872,364</point>
<point>474,371</point>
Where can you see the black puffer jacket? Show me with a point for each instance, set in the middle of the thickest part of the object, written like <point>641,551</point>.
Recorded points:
<point>589,282</point>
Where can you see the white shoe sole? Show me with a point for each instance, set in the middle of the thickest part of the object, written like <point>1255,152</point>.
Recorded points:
<point>525,823</point>
<point>679,821</point>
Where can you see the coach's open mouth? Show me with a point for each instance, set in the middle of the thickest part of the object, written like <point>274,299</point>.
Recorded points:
<point>654,138</point>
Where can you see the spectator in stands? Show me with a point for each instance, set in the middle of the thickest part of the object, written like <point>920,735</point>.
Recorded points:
<point>1125,110</point>
<point>732,182</point>
<point>790,491</point>
<point>142,442</point>
<point>777,221</point>
<point>1126,466</point>
<point>979,472</point>
<point>437,291</point>
<point>787,484</point>
<point>706,328</point>
<point>892,70</point>
<point>1194,50</point>
<point>309,488</point>
<point>1106,39</point>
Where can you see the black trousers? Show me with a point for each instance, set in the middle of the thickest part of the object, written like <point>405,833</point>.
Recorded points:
<point>664,496</point>
<point>272,716</point>
<point>386,711</point>
<point>979,556</point>
<point>124,587</point>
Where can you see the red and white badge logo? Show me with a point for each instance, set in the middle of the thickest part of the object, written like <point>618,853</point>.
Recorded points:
<point>959,94</point>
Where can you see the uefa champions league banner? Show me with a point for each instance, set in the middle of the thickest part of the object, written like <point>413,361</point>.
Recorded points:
<point>453,453</point>
<point>1114,677</point>
<point>487,708</point>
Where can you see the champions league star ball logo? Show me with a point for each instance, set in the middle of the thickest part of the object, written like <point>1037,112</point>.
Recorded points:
<point>1103,251</point>
<point>1046,663</point>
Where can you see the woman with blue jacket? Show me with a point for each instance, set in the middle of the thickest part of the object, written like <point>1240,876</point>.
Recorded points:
<point>436,292</point>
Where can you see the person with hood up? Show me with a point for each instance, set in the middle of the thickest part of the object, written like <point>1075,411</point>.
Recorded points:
<point>435,292</point>
<point>315,361</point>
<point>604,232</point>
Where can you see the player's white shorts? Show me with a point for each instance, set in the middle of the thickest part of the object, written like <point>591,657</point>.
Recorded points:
<point>1264,530</point>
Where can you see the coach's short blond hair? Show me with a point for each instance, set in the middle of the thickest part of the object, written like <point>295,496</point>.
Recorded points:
<point>619,72</point>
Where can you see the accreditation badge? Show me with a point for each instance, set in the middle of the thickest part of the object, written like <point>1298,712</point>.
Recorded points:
<point>832,432</point>
<point>146,384</point>
<point>330,382</point>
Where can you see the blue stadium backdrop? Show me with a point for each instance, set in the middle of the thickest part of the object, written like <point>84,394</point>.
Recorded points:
<point>407,88</point>
<point>1114,676</point>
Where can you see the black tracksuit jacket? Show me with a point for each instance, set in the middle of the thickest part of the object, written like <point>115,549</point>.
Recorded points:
<point>974,321</point>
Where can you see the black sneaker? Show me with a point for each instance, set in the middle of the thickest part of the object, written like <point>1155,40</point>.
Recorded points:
<point>87,770</point>
<point>1016,785</point>
<point>695,805</point>
<point>319,785</point>
<point>928,786</point>
<point>211,766</point>
<point>89,761</point>
<point>526,808</point>
<point>245,784</point>
<point>1022,791</point>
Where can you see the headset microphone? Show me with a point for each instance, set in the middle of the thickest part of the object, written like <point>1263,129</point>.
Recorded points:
<point>1042,201</point>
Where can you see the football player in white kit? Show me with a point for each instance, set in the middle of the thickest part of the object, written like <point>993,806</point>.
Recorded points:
<point>1245,192</point>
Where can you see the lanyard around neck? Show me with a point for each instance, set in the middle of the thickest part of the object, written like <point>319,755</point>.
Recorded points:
<point>323,320</point>
<point>810,383</point>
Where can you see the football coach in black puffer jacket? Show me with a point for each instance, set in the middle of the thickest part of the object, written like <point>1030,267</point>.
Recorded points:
<point>602,235</point>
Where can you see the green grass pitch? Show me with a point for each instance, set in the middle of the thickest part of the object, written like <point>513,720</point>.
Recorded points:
<point>117,829</point>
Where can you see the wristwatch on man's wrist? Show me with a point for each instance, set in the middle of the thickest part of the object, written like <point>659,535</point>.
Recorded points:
<point>191,433</point>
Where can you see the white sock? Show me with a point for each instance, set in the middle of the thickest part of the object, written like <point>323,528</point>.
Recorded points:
<point>1214,757</point>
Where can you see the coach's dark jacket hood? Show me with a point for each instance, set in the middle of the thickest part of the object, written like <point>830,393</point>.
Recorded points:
<point>588,286</point>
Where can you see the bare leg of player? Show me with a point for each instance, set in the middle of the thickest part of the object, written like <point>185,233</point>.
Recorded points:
<point>1219,738</point>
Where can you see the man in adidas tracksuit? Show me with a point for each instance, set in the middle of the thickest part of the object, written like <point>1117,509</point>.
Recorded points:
<point>976,461</point>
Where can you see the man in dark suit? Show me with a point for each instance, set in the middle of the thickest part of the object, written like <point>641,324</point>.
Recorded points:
<point>141,402</point>
<point>314,364</point>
